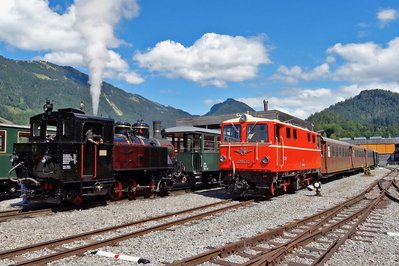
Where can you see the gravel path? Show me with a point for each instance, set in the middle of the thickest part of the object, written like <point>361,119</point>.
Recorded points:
<point>193,238</point>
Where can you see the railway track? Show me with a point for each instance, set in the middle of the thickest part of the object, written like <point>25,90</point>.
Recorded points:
<point>55,249</point>
<point>311,241</point>
<point>32,211</point>
<point>29,212</point>
<point>17,214</point>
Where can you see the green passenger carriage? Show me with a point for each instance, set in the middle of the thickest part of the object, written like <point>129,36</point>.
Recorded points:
<point>196,154</point>
<point>10,134</point>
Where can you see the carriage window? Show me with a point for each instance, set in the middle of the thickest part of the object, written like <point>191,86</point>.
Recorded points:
<point>232,133</point>
<point>256,133</point>
<point>2,141</point>
<point>177,142</point>
<point>209,143</point>
<point>313,138</point>
<point>294,134</point>
<point>308,137</point>
<point>23,137</point>
<point>196,145</point>
<point>288,132</point>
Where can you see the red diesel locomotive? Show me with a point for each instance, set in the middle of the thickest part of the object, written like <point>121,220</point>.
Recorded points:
<point>258,156</point>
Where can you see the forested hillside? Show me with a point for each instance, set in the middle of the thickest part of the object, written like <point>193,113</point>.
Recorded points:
<point>25,86</point>
<point>371,113</point>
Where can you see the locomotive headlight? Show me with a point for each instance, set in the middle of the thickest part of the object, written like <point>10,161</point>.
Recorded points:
<point>46,159</point>
<point>317,185</point>
<point>265,160</point>
<point>222,158</point>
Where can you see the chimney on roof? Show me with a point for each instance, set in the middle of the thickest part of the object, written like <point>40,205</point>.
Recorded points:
<point>265,105</point>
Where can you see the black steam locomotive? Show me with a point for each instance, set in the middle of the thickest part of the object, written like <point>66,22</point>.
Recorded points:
<point>88,156</point>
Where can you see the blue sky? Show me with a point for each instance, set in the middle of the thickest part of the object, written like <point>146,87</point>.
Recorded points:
<point>301,56</point>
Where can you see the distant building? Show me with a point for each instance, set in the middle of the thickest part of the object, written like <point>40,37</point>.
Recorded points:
<point>378,143</point>
<point>384,146</point>
<point>214,121</point>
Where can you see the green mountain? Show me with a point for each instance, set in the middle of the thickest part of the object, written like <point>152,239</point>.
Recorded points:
<point>371,113</point>
<point>230,106</point>
<point>25,86</point>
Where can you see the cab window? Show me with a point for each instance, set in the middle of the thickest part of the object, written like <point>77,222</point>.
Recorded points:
<point>256,133</point>
<point>232,133</point>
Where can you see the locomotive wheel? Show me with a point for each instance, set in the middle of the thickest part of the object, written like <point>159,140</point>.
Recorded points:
<point>163,189</point>
<point>284,186</point>
<point>294,184</point>
<point>115,191</point>
<point>272,189</point>
<point>77,200</point>
<point>150,190</point>
<point>132,189</point>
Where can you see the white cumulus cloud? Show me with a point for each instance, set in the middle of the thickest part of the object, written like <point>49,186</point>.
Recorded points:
<point>367,62</point>
<point>296,101</point>
<point>213,59</point>
<point>386,16</point>
<point>81,36</point>
<point>295,74</point>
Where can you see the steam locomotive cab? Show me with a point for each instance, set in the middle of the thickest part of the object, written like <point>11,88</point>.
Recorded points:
<point>65,165</point>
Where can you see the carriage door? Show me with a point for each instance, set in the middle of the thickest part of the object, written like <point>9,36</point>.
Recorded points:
<point>89,151</point>
<point>351,155</point>
<point>324,154</point>
<point>196,154</point>
<point>279,145</point>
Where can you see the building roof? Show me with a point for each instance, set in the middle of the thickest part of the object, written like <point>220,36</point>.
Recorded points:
<point>214,121</point>
<point>371,140</point>
<point>190,129</point>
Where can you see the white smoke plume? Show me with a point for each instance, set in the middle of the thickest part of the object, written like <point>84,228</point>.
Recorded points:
<point>82,35</point>
<point>95,20</point>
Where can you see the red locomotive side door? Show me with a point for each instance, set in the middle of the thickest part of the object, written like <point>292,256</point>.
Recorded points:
<point>279,146</point>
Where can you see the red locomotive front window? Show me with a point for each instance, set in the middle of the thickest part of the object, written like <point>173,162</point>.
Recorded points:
<point>257,133</point>
<point>232,133</point>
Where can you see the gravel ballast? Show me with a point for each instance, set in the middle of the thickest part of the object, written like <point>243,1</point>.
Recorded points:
<point>195,237</point>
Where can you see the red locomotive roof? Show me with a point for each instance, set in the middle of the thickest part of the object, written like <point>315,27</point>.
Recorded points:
<point>249,118</point>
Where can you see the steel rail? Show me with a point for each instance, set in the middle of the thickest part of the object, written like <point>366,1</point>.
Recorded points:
<point>12,214</point>
<point>251,241</point>
<point>117,239</point>
<point>68,239</point>
<point>314,233</point>
<point>112,241</point>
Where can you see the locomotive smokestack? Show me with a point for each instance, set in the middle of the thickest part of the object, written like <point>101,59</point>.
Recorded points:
<point>156,125</point>
<point>265,105</point>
